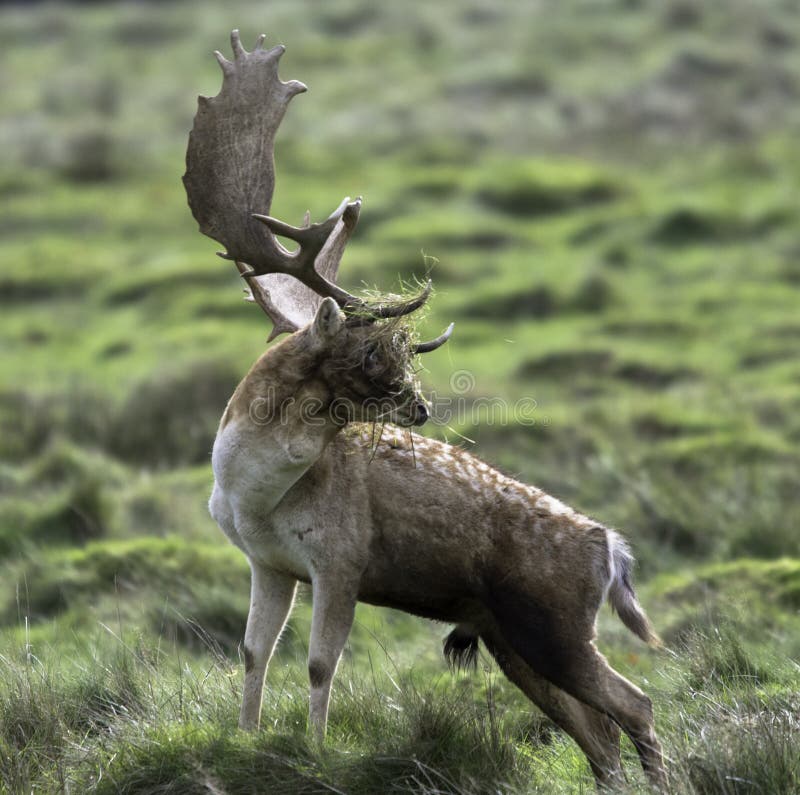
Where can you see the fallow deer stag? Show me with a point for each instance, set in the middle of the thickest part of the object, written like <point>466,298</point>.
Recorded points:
<point>305,491</point>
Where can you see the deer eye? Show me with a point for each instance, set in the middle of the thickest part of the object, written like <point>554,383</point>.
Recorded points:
<point>373,363</point>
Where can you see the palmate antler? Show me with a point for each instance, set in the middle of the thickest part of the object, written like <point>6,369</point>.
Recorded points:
<point>230,180</point>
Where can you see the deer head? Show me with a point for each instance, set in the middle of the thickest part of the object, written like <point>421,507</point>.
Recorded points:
<point>230,180</point>
<point>356,372</point>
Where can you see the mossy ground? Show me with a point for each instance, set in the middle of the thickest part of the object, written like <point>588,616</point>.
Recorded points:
<point>605,196</point>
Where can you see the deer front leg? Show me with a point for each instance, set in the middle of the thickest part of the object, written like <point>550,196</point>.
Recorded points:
<point>271,598</point>
<point>331,619</point>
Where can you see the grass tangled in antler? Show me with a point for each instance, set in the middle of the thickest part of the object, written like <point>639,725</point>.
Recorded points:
<point>391,340</point>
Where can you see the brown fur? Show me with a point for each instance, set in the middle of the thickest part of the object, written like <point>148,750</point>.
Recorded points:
<point>415,524</point>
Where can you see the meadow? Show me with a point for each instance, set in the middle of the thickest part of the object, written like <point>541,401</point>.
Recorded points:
<point>605,195</point>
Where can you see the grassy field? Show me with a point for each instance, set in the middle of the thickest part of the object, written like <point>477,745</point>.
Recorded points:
<point>605,195</point>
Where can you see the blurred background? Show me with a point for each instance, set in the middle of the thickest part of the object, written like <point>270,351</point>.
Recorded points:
<point>605,195</point>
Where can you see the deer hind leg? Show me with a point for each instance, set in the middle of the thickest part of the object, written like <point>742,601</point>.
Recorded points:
<point>271,598</point>
<point>332,613</point>
<point>579,669</point>
<point>594,681</point>
<point>565,655</point>
<point>594,732</point>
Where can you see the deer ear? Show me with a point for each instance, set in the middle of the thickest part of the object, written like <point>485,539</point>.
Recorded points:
<point>328,321</point>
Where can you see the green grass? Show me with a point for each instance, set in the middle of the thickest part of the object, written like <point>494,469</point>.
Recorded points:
<point>121,713</point>
<point>605,197</point>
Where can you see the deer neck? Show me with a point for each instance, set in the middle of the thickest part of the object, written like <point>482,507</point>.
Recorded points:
<point>275,427</point>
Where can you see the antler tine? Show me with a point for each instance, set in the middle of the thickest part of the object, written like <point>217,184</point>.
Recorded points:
<point>432,345</point>
<point>301,264</point>
<point>364,313</point>
<point>403,307</point>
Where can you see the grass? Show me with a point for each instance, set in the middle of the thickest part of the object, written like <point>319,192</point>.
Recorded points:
<point>123,715</point>
<point>605,197</point>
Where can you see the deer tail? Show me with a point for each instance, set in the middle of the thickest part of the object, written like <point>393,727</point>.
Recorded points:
<point>621,595</point>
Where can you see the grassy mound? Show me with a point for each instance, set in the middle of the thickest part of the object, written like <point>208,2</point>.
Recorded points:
<point>606,199</point>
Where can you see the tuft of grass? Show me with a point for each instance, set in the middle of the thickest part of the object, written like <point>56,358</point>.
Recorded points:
<point>720,660</point>
<point>24,425</point>
<point>685,226</point>
<point>92,155</point>
<point>530,188</point>
<point>80,514</point>
<point>171,417</point>
<point>539,301</point>
<point>191,594</point>
<point>47,714</point>
<point>748,745</point>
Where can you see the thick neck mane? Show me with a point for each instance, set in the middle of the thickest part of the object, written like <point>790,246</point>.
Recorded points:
<point>277,376</point>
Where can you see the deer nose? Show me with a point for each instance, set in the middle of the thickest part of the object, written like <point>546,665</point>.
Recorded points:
<point>422,414</point>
